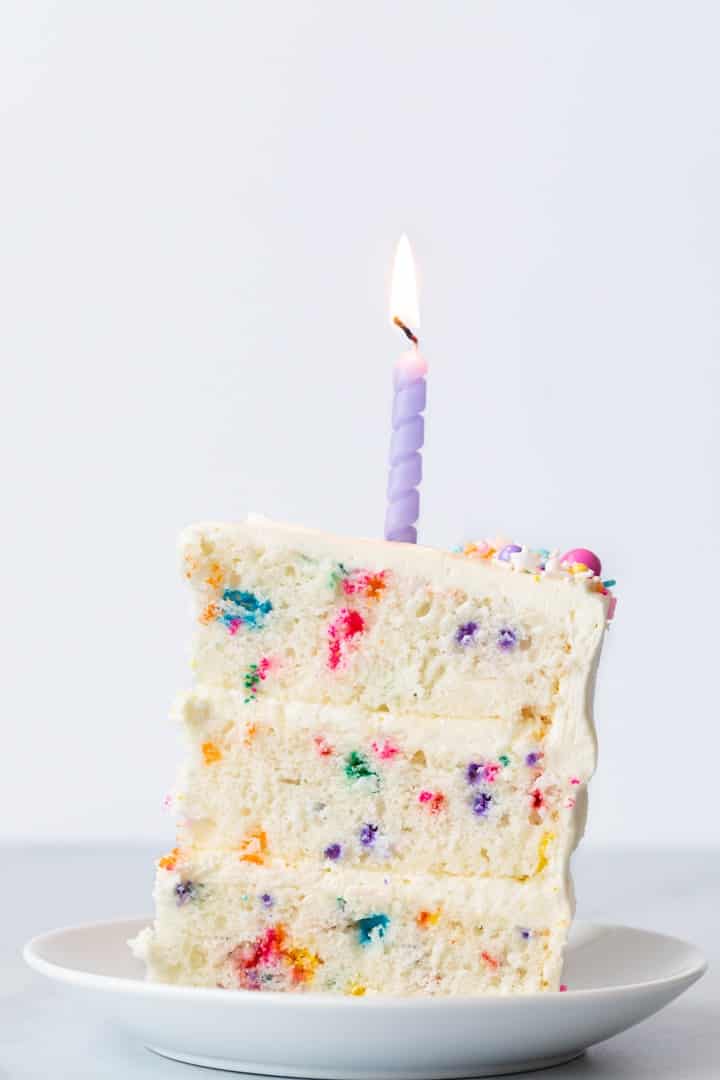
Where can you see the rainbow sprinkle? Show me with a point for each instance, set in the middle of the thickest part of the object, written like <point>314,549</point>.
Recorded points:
<point>242,608</point>
<point>357,767</point>
<point>346,625</point>
<point>254,675</point>
<point>371,928</point>
<point>211,753</point>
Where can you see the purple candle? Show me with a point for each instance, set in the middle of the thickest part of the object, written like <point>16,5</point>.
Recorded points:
<point>408,434</point>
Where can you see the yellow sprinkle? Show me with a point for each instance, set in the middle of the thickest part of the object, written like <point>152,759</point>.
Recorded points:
<point>303,963</point>
<point>356,990</point>
<point>545,841</point>
<point>210,752</point>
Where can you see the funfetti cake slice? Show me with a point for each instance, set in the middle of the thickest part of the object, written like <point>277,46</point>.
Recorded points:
<point>388,749</point>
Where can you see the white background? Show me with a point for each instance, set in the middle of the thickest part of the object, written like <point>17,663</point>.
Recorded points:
<point>198,208</point>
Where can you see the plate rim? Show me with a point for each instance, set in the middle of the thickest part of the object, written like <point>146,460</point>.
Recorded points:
<point>115,983</point>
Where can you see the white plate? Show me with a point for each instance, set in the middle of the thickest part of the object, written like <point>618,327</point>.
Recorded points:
<point>617,977</point>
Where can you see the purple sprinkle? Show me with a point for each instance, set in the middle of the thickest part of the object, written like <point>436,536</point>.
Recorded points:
<point>465,634</point>
<point>507,638</point>
<point>532,758</point>
<point>473,771</point>
<point>524,933</point>
<point>481,803</point>
<point>367,835</point>
<point>185,891</point>
<point>333,851</point>
<point>266,900</point>
<point>505,553</point>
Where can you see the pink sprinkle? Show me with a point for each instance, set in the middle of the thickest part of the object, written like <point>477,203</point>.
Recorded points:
<point>234,625</point>
<point>611,607</point>
<point>264,666</point>
<point>490,771</point>
<point>574,780</point>
<point>435,798</point>
<point>347,624</point>
<point>563,988</point>
<point>323,747</point>
<point>167,802</point>
<point>569,804</point>
<point>387,751</point>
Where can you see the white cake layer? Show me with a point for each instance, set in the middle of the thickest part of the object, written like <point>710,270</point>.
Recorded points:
<point>332,784</point>
<point>304,617</point>
<point>389,747</point>
<point>223,923</point>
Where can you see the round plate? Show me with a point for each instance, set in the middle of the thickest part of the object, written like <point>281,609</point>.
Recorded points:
<point>617,976</point>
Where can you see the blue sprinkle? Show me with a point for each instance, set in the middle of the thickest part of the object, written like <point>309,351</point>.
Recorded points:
<point>481,803</point>
<point>507,639</point>
<point>366,928</point>
<point>246,608</point>
<point>333,852</point>
<point>609,584</point>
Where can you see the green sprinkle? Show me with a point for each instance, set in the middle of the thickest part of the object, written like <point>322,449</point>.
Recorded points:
<point>504,760</point>
<point>337,575</point>
<point>341,902</point>
<point>357,767</point>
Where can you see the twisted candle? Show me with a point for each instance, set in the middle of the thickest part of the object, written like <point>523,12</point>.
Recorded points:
<point>408,435</point>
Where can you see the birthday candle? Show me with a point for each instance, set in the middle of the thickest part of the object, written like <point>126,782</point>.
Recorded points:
<point>408,426</point>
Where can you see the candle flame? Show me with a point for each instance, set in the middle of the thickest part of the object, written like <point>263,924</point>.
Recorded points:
<point>403,294</point>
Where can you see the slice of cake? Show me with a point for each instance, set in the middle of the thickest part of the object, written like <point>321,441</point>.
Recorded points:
<point>388,753</point>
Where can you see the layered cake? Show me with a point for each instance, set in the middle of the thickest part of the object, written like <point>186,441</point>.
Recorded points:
<point>388,749</point>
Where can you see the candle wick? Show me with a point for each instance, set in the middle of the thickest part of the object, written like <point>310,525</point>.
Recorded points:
<point>405,329</point>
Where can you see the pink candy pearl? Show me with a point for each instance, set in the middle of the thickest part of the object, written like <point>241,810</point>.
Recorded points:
<point>587,558</point>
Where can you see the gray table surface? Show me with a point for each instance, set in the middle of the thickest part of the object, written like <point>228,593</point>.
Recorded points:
<point>43,1035</point>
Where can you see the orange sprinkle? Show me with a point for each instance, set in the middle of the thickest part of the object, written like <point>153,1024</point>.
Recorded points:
<point>209,614</point>
<point>375,585</point>
<point>190,565</point>
<point>169,862</point>
<point>490,960</point>
<point>254,847</point>
<point>210,752</point>
<point>427,918</point>
<point>250,732</point>
<point>215,577</point>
